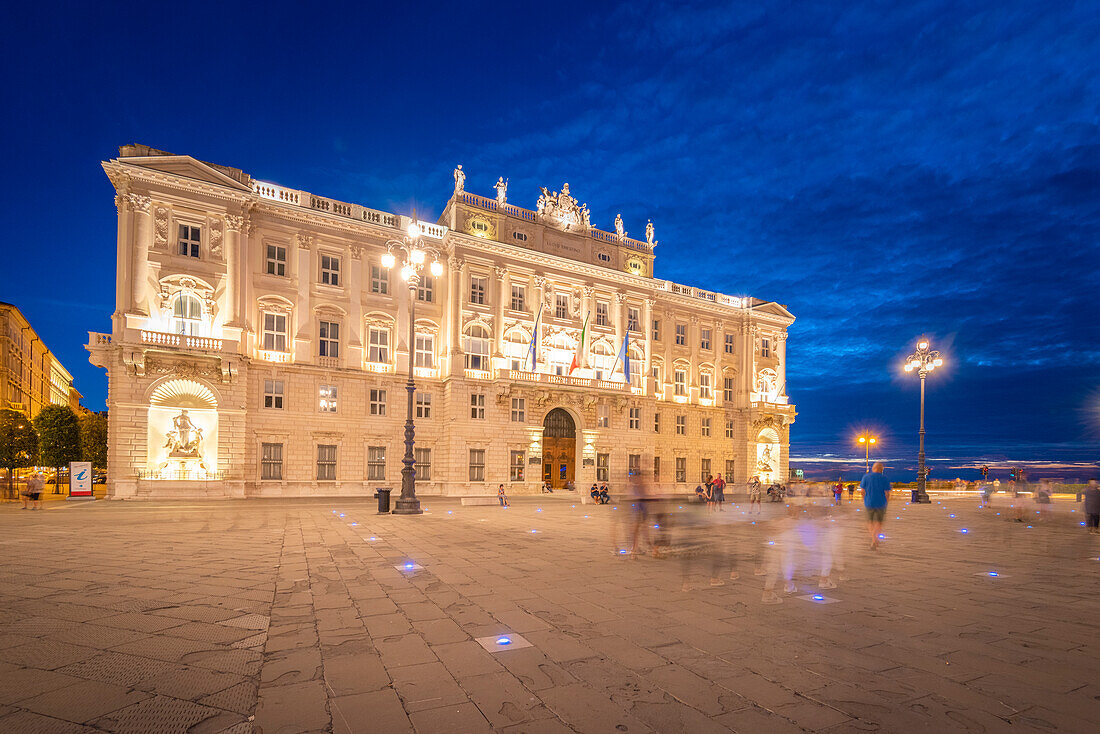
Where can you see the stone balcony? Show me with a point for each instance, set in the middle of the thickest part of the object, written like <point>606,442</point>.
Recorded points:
<point>181,341</point>
<point>580,383</point>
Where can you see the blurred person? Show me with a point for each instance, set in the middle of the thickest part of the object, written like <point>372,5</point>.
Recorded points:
<point>33,493</point>
<point>987,494</point>
<point>719,490</point>
<point>501,497</point>
<point>605,497</point>
<point>838,492</point>
<point>595,494</point>
<point>546,488</point>
<point>1044,497</point>
<point>876,496</point>
<point>851,491</point>
<point>754,494</point>
<point>710,493</point>
<point>1092,506</point>
<point>701,494</point>
<point>640,498</point>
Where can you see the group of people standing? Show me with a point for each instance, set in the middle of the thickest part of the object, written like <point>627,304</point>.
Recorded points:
<point>712,492</point>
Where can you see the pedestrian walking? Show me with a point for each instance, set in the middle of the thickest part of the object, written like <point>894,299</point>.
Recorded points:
<point>33,492</point>
<point>876,496</point>
<point>501,497</point>
<point>754,494</point>
<point>1043,498</point>
<point>1092,506</point>
<point>710,493</point>
<point>851,490</point>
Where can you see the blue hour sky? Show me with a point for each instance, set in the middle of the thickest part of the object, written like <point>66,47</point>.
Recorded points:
<point>886,170</point>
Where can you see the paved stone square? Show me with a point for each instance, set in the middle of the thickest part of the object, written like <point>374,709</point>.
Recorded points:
<point>298,616</point>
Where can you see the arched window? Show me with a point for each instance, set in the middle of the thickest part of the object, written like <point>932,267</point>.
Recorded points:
<point>186,314</point>
<point>602,361</point>
<point>476,345</point>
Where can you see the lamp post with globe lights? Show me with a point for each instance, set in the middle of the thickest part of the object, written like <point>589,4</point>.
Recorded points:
<point>867,442</point>
<point>924,360</point>
<point>414,254</point>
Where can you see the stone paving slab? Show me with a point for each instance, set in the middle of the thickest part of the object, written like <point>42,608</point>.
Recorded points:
<point>254,617</point>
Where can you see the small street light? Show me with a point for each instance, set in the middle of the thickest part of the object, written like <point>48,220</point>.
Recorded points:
<point>414,253</point>
<point>867,442</point>
<point>924,360</point>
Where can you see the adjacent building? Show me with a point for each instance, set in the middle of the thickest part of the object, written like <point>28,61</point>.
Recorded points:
<point>31,376</point>
<point>262,340</point>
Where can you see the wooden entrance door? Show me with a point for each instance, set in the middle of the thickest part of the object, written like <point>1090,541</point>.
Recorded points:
<point>559,449</point>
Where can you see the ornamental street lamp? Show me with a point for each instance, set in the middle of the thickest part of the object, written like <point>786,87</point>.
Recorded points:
<point>923,361</point>
<point>867,442</point>
<point>413,253</point>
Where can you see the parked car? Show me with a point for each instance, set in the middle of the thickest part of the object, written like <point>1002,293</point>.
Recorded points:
<point>99,477</point>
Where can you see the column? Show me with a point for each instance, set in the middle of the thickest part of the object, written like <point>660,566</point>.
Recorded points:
<point>503,279</point>
<point>233,224</point>
<point>718,342</point>
<point>647,325</point>
<point>454,303</point>
<point>620,327</point>
<point>355,308</point>
<point>781,367</point>
<point>143,240</point>
<point>124,277</point>
<point>694,331</point>
<point>540,286</point>
<point>303,335</point>
<point>588,308</point>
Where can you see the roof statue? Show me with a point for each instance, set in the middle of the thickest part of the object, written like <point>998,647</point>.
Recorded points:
<point>563,210</point>
<point>502,190</point>
<point>460,180</point>
<point>649,234</point>
<point>619,231</point>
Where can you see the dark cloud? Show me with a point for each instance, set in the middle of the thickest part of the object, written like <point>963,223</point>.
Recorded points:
<point>886,170</point>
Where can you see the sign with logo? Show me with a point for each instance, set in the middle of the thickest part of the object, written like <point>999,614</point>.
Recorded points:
<point>80,479</point>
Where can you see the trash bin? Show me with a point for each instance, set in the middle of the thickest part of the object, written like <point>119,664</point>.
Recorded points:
<point>383,495</point>
<point>916,497</point>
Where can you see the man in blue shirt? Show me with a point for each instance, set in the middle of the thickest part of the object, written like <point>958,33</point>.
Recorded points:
<point>876,494</point>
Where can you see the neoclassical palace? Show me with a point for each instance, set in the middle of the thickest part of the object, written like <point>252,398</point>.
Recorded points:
<point>261,346</point>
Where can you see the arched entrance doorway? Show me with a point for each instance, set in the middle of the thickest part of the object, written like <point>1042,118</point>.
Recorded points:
<point>559,448</point>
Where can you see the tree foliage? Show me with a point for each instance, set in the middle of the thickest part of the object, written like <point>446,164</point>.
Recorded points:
<point>18,441</point>
<point>58,435</point>
<point>93,439</point>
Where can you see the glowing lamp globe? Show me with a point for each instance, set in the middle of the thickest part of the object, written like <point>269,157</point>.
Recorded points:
<point>388,260</point>
<point>923,345</point>
<point>417,256</point>
<point>407,272</point>
<point>413,230</point>
<point>437,268</point>
<point>938,362</point>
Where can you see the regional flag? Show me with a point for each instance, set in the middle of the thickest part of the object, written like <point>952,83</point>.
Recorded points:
<point>533,347</point>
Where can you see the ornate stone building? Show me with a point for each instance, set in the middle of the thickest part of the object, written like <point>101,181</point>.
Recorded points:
<point>260,346</point>
<point>31,376</point>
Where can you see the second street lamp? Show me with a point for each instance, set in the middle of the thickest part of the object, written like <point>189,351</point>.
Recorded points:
<point>924,360</point>
<point>867,441</point>
<point>413,253</point>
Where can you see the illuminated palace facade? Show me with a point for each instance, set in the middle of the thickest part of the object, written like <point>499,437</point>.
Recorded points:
<point>260,347</point>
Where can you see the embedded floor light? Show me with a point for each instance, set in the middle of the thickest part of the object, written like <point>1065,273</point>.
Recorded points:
<point>818,599</point>
<point>409,567</point>
<point>502,642</point>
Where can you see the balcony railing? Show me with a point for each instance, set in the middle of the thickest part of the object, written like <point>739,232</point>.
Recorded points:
<point>328,361</point>
<point>277,357</point>
<point>543,378</point>
<point>181,341</point>
<point>97,339</point>
<point>320,203</point>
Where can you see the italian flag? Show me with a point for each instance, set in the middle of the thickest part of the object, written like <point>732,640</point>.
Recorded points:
<point>580,346</point>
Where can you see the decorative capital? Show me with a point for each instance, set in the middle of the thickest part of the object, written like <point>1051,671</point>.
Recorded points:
<point>234,222</point>
<point>540,281</point>
<point>587,291</point>
<point>139,203</point>
<point>457,263</point>
<point>620,297</point>
<point>356,251</point>
<point>500,272</point>
<point>304,241</point>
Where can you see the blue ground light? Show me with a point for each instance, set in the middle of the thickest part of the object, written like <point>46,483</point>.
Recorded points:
<point>994,574</point>
<point>964,531</point>
<point>818,597</point>
<point>410,566</point>
<point>504,640</point>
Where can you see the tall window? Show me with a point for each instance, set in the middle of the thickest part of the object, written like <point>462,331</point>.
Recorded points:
<point>515,466</point>
<point>379,279</point>
<point>330,270</point>
<point>656,422</point>
<point>271,461</point>
<point>729,470</point>
<point>729,343</point>
<point>681,334</point>
<point>478,286</point>
<point>634,464</point>
<point>636,364</point>
<point>326,463</point>
<point>603,472</point>
<point>425,288</point>
<point>705,427</point>
<point>636,418</point>
<point>519,297</point>
<point>681,425</point>
<point>273,394</point>
<point>477,406</point>
<point>377,401</point>
<point>656,330</point>
<point>476,346</point>
<point>680,381</point>
<point>765,347</point>
<point>274,336</point>
<point>519,410</point>
<point>603,416</point>
<point>727,389</point>
<point>423,405</point>
<point>561,306</point>
<point>633,319</point>
<point>376,463</point>
<point>477,465</point>
<point>705,391</point>
<point>704,339</point>
<point>328,333</point>
<point>657,468</point>
<point>681,469</point>
<point>423,465</point>
<point>186,314</point>
<point>602,318</point>
<point>276,260</point>
<point>729,429</point>
<point>425,351</point>
<point>327,396</point>
<point>378,345</point>
<point>189,240</point>
<point>704,470</point>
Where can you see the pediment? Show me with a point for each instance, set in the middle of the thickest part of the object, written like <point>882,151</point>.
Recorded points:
<point>187,167</point>
<point>774,309</point>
